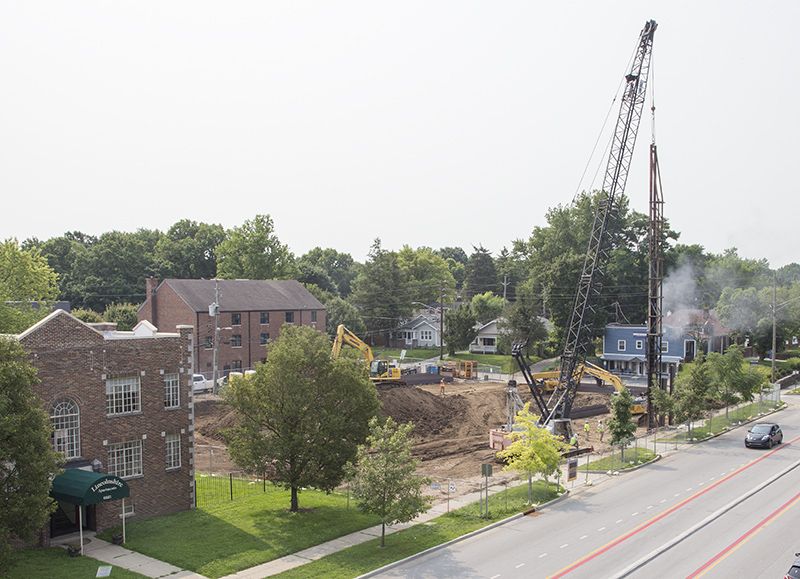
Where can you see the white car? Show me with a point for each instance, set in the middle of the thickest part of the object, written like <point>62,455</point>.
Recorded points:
<point>200,384</point>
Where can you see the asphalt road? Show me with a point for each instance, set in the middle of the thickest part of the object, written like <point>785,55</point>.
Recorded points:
<point>716,509</point>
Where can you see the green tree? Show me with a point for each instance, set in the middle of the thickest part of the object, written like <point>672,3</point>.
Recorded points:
<point>426,274</point>
<point>340,267</point>
<point>383,475</point>
<point>189,250</point>
<point>302,415</point>
<point>27,461</point>
<point>693,392</point>
<point>310,274</point>
<point>125,316</point>
<point>487,307</point>
<point>87,316</point>
<point>459,329</point>
<point>25,277</point>
<point>533,449</point>
<point>523,323</point>
<point>480,273</point>
<point>339,311</point>
<point>253,251</point>
<point>734,379</point>
<point>621,427</point>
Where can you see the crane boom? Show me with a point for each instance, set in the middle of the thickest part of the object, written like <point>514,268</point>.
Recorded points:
<point>581,324</point>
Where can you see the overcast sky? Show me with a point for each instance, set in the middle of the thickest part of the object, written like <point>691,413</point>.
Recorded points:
<point>435,123</point>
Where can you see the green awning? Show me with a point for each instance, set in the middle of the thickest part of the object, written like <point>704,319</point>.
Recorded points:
<point>83,487</point>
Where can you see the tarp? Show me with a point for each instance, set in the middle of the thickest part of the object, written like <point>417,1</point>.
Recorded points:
<point>83,487</point>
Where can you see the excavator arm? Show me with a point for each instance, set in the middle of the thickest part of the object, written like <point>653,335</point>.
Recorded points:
<point>345,336</point>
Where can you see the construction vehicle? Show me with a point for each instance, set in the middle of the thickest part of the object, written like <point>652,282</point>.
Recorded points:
<point>381,372</point>
<point>555,411</point>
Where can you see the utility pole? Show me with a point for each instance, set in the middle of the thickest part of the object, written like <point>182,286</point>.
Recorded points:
<point>213,310</point>
<point>505,287</point>
<point>774,321</point>
<point>441,321</point>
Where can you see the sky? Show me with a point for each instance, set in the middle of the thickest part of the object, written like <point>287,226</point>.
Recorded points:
<point>422,123</point>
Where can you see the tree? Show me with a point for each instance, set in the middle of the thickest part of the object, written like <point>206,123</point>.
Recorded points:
<point>253,251</point>
<point>383,475</point>
<point>124,315</point>
<point>693,391</point>
<point>487,307</point>
<point>302,415</point>
<point>340,267</point>
<point>480,273</point>
<point>533,449</point>
<point>522,322</point>
<point>189,250</point>
<point>25,277</point>
<point>339,311</point>
<point>87,316</point>
<point>426,274</point>
<point>621,427</point>
<point>27,460</point>
<point>459,329</point>
<point>733,378</point>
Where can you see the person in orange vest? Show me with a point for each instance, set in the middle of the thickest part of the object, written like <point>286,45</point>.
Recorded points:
<point>441,387</point>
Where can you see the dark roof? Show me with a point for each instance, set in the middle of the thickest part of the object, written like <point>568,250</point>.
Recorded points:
<point>245,295</point>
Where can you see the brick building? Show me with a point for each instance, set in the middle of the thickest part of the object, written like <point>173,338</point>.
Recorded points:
<point>120,404</point>
<point>251,312</point>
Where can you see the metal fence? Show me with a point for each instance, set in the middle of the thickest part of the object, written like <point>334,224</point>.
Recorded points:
<point>211,489</point>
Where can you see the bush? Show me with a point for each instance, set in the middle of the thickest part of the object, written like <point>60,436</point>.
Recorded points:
<point>793,363</point>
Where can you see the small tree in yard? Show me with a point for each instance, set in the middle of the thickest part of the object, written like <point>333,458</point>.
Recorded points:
<point>302,415</point>
<point>534,449</point>
<point>383,476</point>
<point>621,427</point>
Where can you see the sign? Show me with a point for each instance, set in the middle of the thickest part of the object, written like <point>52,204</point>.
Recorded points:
<point>572,469</point>
<point>402,354</point>
<point>452,487</point>
<point>436,486</point>
<point>104,571</point>
<point>486,470</point>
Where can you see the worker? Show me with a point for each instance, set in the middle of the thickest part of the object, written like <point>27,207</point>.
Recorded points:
<point>441,387</point>
<point>600,429</point>
<point>586,427</point>
<point>573,441</point>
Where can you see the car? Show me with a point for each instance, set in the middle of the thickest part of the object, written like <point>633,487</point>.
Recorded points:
<point>200,384</point>
<point>794,572</point>
<point>763,434</point>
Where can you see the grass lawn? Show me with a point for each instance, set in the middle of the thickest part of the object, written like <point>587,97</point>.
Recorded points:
<point>630,458</point>
<point>54,562</point>
<point>365,557</point>
<point>220,539</point>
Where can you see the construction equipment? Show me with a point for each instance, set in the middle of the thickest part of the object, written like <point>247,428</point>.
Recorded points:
<point>381,372</point>
<point>555,412</point>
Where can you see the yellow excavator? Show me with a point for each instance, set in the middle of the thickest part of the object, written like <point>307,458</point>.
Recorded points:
<point>381,372</point>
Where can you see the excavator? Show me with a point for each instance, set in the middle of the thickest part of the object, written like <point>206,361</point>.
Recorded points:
<point>381,372</point>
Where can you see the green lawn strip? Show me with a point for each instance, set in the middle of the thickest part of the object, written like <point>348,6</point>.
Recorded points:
<point>217,540</point>
<point>630,458</point>
<point>54,562</point>
<point>365,557</point>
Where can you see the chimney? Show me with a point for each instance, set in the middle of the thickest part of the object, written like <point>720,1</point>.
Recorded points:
<point>148,311</point>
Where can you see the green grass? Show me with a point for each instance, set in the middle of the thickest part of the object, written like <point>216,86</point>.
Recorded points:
<point>220,539</point>
<point>365,557</point>
<point>415,353</point>
<point>54,562</point>
<point>630,458</point>
<point>216,489</point>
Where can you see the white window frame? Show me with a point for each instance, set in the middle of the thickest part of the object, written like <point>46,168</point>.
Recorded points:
<point>639,344</point>
<point>621,344</point>
<point>425,335</point>
<point>65,416</point>
<point>172,444</point>
<point>125,459</point>
<point>664,346</point>
<point>236,341</point>
<point>172,391</point>
<point>123,395</point>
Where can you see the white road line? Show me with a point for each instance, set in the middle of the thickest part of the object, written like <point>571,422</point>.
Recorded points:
<point>601,529</point>
<point>520,565</point>
<point>663,500</point>
<point>634,514</point>
<point>495,576</point>
<point>564,545</point>
<point>650,507</point>
<point>542,555</point>
<point>584,536</point>
<point>619,521</point>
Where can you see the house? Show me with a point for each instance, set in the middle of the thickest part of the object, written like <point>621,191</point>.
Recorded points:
<point>251,312</point>
<point>703,326</point>
<point>421,332</point>
<point>122,415</point>
<point>486,340</point>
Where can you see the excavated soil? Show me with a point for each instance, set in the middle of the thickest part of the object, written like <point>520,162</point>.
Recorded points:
<point>450,435</point>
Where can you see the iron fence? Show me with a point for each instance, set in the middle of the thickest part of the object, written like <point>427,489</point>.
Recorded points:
<point>211,489</point>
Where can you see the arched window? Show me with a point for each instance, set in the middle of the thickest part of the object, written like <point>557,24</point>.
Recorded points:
<point>66,428</point>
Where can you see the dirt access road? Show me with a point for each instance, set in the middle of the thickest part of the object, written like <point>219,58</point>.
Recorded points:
<point>450,435</point>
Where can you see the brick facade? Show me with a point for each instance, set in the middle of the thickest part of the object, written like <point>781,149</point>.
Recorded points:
<point>75,362</point>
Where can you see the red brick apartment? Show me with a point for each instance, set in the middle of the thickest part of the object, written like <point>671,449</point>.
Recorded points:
<point>251,312</point>
<point>121,408</point>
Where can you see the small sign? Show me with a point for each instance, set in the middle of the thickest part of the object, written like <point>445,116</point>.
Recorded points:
<point>486,470</point>
<point>436,486</point>
<point>754,362</point>
<point>104,571</point>
<point>402,354</point>
<point>452,487</point>
<point>572,469</point>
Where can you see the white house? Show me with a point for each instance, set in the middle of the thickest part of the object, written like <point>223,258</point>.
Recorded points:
<point>486,340</point>
<point>421,332</point>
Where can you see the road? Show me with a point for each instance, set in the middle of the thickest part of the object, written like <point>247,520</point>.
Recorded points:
<point>716,509</point>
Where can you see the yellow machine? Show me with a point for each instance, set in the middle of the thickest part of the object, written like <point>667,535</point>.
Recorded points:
<point>380,371</point>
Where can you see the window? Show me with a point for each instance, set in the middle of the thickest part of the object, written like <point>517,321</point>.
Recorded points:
<point>209,342</point>
<point>425,335</point>
<point>237,365</point>
<point>173,449</point>
<point>289,317</point>
<point>236,340</point>
<point>665,346</point>
<point>313,317</point>
<point>236,319</point>
<point>621,345</point>
<point>264,339</point>
<point>125,459</point>
<point>264,317</point>
<point>66,433</point>
<point>122,395</point>
<point>639,344</point>
<point>172,392</point>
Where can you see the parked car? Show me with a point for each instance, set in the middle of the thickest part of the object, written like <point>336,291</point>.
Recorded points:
<point>200,384</point>
<point>763,434</point>
<point>794,572</point>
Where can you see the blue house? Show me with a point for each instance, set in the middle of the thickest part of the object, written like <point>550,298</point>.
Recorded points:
<point>624,349</point>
